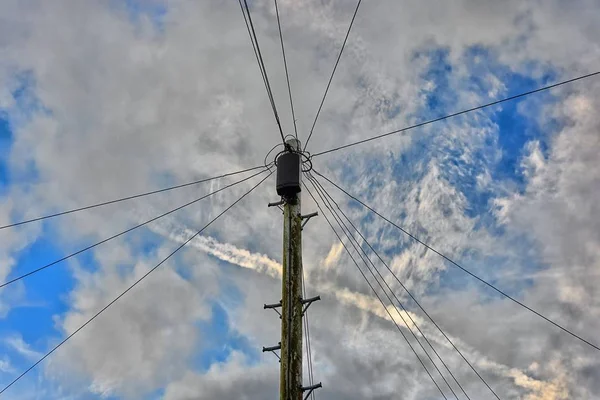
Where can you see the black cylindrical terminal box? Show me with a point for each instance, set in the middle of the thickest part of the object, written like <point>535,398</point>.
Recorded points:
<point>288,174</point>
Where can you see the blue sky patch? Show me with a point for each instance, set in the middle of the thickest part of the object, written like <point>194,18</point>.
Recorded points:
<point>508,129</point>
<point>6,139</point>
<point>33,320</point>
<point>438,72</point>
<point>46,291</point>
<point>219,340</point>
<point>155,11</point>
<point>27,104</point>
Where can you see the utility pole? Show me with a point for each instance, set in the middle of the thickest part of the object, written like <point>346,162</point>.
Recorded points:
<point>293,305</point>
<point>291,289</point>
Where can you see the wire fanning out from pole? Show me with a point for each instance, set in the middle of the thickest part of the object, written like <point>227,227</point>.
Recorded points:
<point>261,62</point>
<point>374,291</point>
<point>13,280</point>
<point>454,263</point>
<point>287,75</point>
<point>332,73</point>
<point>366,257</point>
<point>132,285</point>
<point>395,276</point>
<point>135,196</point>
<point>431,121</point>
<point>366,260</point>
<point>296,301</point>
<point>308,344</point>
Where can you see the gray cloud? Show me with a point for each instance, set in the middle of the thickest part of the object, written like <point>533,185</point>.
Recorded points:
<point>131,107</point>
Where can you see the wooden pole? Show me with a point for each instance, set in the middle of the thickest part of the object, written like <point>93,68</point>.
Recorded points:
<point>291,295</point>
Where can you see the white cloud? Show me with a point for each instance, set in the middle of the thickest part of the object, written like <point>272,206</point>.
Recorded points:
<point>19,345</point>
<point>6,366</point>
<point>130,107</point>
<point>145,339</point>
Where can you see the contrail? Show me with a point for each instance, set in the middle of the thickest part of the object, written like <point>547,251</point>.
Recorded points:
<point>539,389</point>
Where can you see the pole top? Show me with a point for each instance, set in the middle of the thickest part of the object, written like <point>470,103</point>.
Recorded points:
<point>293,144</point>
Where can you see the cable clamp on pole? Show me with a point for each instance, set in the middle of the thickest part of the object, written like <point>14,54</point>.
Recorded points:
<point>310,389</point>
<point>308,302</point>
<point>307,218</point>
<point>273,349</point>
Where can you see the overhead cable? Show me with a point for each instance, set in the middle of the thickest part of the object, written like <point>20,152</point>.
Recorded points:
<point>333,73</point>
<point>308,344</point>
<point>454,263</point>
<point>287,75</point>
<point>131,287</point>
<point>135,196</point>
<point>418,304</point>
<point>13,280</point>
<point>375,292</point>
<point>330,199</point>
<point>261,62</point>
<point>366,260</point>
<point>456,114</point>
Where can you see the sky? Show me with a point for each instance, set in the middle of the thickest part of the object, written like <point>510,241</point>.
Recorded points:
<point>104,99</point>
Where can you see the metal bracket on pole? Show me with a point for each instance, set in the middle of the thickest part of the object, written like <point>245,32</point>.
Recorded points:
<point>276,204</point>
<point>273,350</point>
<point>308,302</point>
<point>307,217</point>
<point>310,389</point>
<point>274,307</point>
